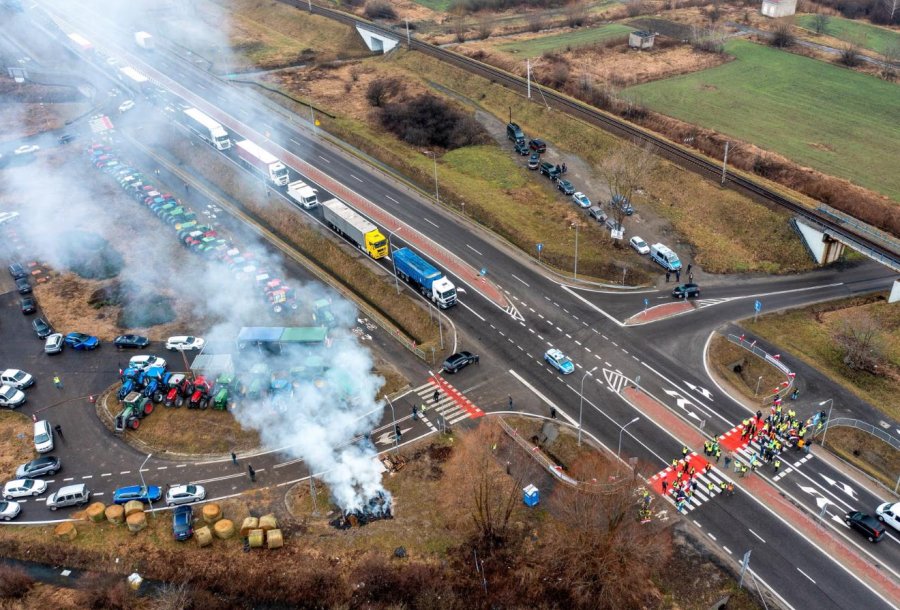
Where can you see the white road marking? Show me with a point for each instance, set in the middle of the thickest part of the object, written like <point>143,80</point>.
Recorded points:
<point>727,550</point>
<point>431,223</point>
<point>181,466</point>
<point>392,199</point>
<point>471,310</point>
<point>520,279</point>
<point>474,250</point>
<point>125,472</point>
<point>807,575</point>
<point>298,143</point>
<point>542,397</point>
<point>710,535</point>
<point>106,474</point>
<point>324,159</point>
<point>757,535</point>
<point>697,523</point>
<point>88,476</point>
<point>355,178</point>
<point>68,479</point>
<point>163,468</point>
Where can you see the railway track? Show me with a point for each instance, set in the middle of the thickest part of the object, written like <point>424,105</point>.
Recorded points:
<point>699,164</point>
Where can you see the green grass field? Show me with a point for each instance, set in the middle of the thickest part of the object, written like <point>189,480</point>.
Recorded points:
<point>835,120</point>
<point>868,36</point>
<point>557,42</point>
<point>435,5</point>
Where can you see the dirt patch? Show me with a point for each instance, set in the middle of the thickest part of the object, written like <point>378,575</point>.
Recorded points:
<point>17,430</point>
<point>870,454</point>
<point>821,146</point>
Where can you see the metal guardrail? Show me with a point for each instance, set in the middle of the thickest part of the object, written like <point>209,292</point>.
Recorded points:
<point>848,422</point>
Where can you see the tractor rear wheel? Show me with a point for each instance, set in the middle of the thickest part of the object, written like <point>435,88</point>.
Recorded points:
<point>204,403</point>
<point>148,408</point>
<point>179,401</point>
<point>135,424</point>
<point>157,397</point>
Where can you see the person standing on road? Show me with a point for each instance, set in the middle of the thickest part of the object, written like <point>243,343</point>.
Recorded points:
<point>57,382</point>
<point>252,473</point>
<point>234,458</point>
<point>59,433</point>
<point>435,396</point>
<point>668,276</point>
<point>777,465</point>
<point>510,401</point>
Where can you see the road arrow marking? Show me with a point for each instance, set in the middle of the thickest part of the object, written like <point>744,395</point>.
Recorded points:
<point>682,403</point>
<point>706,393</point>
<point>843,486</point>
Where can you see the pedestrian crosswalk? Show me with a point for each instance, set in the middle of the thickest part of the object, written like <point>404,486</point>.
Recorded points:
<point>705,485</point>
<point>451,405</point>
<point>701,303</point>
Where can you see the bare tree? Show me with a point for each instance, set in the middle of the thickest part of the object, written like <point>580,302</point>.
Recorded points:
<point>891,8</point>
<point>890,56</point>
<point>623,171</point>
<point>862,342</point>
<point>485,28</point>
<point>850,56</point>
<point>782,35</point>
<point>635,7</point>
<point>576,14</point>
<point>381,90</point>
<point>536,21</point>
<point>172,597</point>
<point>820,22</point>
<point>459,28</point>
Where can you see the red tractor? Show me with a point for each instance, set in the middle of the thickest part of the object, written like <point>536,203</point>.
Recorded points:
<point>180,387</point>
<point>201,396</point>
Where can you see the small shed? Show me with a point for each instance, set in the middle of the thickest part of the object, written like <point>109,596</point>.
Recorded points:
<point>779,8</point>
<point>641,40</point>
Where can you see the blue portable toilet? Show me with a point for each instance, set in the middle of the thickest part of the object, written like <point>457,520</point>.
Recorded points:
<point>531,496</point>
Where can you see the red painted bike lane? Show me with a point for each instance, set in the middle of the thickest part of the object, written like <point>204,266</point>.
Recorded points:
<point>451,263</point>
<point>659,312</point>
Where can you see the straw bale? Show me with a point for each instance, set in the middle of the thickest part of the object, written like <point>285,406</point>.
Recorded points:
<point>133,506</point>
<point>65,531</point>
<point>224,528</point>
<point>211,513</point>
<point>203,536</point>
<point>256,537</point>
<point>136,521</point>
<point>250,523</point>
<point>274,539</point>
<point>95,512</point>
<point>268,522</point>
<point>115,513</point>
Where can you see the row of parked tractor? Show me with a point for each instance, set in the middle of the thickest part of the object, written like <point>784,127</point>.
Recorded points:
<point>191,231</point>
<point>148,382</point>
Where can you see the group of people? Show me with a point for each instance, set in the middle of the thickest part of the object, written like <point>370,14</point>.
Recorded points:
<point>779,430</point>
<point>686,482</point>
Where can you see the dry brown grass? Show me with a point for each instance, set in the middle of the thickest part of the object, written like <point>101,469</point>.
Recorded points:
<point>17,431</point>
<point>724,355</point>
<point>868,453</point>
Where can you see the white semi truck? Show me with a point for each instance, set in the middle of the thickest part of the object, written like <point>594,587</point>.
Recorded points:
<point>303,194</point>
<point>207,128</point>
<point>264,162</point>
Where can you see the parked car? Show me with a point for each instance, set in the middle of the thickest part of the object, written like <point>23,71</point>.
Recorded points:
<point>46,465</point>
<point>150,493</point>
<point>185,494</point>
<point>66,138</point>
<point>11,397</point>
<point>548,169</point>
<point>581,200</point>
<point>43,436</point>
<point>613,225</point>
<point>889,513</point>
<point>70,495</point>
<point>28,305</point>
<point>534,161</point>
<point>686,291</point>
<point>639,245</point>
<point>459,361</point>
<point>620,202</point>
<point>183,522</point>
<point>184,343</point>
<point>82,341</point>
<point>41,328</point>
<point>559,361</point>
<point>865,524</point>
<point>9,510</point>
<point>23,285</point>
<point>22,488</point>
<point>597,214</point>
<point>515,133</point>
<point>17,270</point>
<point>126,105</point>
<point>566,187</point>
<point>145,362</point>
<point>522,148</point>
<point>131,341</point>
<point>538,145</point>
<point>26,149</point>
<point>16,378</point>
<point>54,343</point>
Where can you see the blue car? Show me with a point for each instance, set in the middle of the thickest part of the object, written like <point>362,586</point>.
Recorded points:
<point>81,341</point>
<point>183,523</point>
<point>151,493</point>
<point>559,361</point>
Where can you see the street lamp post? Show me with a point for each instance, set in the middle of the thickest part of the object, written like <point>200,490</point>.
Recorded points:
<point>581,405</point>
<point>437,194</point>
<point>144,483</point>
<point>575,273</point>
<point>619,452</point>
<point>391,252</point>
<point>830,409</point>
<point>758,381</point>
<point>394,422</point>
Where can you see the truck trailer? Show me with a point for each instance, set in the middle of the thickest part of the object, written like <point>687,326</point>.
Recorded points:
<point>264,162</point>
<point>144,40</point>
<point>423,276</point>
<point>135,79</point>
<point>81,43</point>
<point>207,128</point>
<point>355,227</point>
<point>303,194</point>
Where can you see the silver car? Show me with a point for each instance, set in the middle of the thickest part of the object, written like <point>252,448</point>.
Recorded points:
<point>9,510</point>
<point>11,397</point>
<point>22,488</point>
<point>54,343</point>
<point>184,494</point>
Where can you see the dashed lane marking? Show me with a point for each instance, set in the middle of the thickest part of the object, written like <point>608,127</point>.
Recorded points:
<point>757,535</point>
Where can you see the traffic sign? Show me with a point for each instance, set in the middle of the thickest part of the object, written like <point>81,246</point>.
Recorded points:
<point>540,246</point>
<point>757,306</point>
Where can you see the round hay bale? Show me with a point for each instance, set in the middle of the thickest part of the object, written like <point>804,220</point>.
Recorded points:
<point>115,513</point>
<point>250,523</point>
<point>268,522</point>
<point>224,529</point>
<point>95,512</point>
<point>203,536</point>
<point>212,513</point>
<point>136,522</point>
<point>132,507</point>
<point>274,539</point>
<point>65,531</point>
<point>256,537</point>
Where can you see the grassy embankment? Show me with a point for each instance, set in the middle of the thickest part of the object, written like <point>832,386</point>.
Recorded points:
<point>833,119</point>
<point>534,47</point>
<point>868,36</point>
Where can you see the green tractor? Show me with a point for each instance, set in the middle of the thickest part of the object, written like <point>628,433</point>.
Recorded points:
<point>256,384</point>
<point>222,391</point>
<point>322,313</point>
<point>136,407</point>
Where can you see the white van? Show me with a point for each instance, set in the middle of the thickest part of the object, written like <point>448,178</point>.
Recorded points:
<point>70,495</point>
<point>43,436</point>
<point>665,257</point>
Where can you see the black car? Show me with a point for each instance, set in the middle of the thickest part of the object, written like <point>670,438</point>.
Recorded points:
<point>565,186</point>
<point>538,145</point>
<point>550,170</point>
<point>183,523</point>
<point>459,361</point>
<point>686,291</point>
<point>622,203</point>
<point>522,148</point>
<point>29,305</point>
<point>45,465</point>
<point>131,341</point>
<point>865,524</point>
<point>17,270</point>
<point>534,161</point>
<point>41,327</point>
<point>66,138</point>
<point>23,285</point>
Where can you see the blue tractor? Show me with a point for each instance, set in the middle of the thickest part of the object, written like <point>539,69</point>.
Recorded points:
<point>129,383</point>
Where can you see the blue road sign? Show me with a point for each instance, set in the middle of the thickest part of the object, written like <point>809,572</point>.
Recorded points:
<point>757,306</point>
<point>540,246</point>
<point>646,302</point>
<point>484,271</point>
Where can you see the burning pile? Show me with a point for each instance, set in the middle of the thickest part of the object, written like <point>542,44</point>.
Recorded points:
<point>378,507</point>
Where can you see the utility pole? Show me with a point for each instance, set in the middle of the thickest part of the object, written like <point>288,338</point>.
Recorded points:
<point>528,75</point>
<point>725,162</point>
<point>408,43</point>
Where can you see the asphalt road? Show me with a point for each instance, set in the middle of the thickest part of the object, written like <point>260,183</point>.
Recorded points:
<point>557,315</point>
